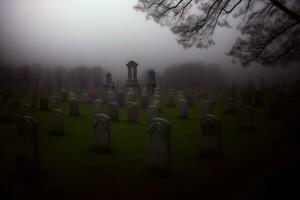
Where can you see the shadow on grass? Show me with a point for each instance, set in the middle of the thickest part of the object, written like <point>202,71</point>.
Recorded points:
<point>160,173</point>
<point>99,150</point>
<point>57,134</point>
<point>211,156</point>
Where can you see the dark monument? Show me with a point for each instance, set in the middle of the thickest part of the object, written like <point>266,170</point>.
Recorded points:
<point>132,81</point>
<point>151,82</point>
<point>109,83</point>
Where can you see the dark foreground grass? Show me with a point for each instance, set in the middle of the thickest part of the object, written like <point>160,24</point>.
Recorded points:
<point>72,169</point>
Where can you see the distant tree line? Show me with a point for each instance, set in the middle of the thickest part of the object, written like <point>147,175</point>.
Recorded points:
<point>51,78</point>
<point>192,75</point>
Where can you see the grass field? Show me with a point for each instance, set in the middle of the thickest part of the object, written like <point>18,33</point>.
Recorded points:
<point>71,169</point>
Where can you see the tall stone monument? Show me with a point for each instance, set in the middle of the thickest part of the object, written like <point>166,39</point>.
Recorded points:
<point>151,85</point>
<point>109,83</point>
<point>132,81</point>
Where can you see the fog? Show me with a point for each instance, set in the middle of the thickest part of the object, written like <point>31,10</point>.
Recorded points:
<point>108,34</point>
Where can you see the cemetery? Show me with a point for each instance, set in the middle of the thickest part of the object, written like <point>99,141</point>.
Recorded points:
<point>154,137</point>
<point>149,99</point>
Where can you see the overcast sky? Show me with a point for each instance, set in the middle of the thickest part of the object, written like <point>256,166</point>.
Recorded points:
<point>98,32</point>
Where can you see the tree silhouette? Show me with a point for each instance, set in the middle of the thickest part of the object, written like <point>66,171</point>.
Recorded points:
<point>270,31</point>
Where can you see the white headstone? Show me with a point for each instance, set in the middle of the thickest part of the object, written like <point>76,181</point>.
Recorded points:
<point>27,156</point>
<point>182,108</point>
<point>57,125</point>
<point>210,134</point>
<point>102,136</point>
<point>74,107</point>
<point>158,142</point>
<point>54,102</point>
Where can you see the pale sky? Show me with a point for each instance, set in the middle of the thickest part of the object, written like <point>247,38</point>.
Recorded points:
<point>108,33</point>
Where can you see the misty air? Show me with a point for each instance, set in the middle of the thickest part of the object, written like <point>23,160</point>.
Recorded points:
<point>149,99</point>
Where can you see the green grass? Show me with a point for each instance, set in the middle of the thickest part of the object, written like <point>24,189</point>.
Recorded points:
<point>69,161</point>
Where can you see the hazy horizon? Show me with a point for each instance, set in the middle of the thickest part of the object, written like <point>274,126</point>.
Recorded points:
<point>107,34</point>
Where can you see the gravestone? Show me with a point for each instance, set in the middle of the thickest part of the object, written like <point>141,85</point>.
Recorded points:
<point>102,135</point>
<point>153,112</point>
<point>121,99</point>
<point>170,100</point>
<point>213,98</point>
<point>97,106</point>
<point>92,96</point>
<point>44,103</point>
<point>189,96</point>
<point>54,103</point>
<point>84,97</point>
<point>131,96</point>
<point>72,95</point>
<point>144,101</point>
<point>156,100</point>
<point>31,100</point>
<point>210,134</point>
<point>205,107</point>
<point>57,123</point>
<point>180,95</point>
<point>64,96</point>
<point>158,143</point>
<point>132,113</point>
<point>27,154</point>
<point>182,108</point>
<point>74,107</point>
<point>157,90</point>
<point>247,117</point>
<point>110,96</point>
<point>151,85</point>
<point>113,111</point>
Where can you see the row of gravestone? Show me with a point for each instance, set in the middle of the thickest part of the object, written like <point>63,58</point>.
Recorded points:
<point>158,141</point>
<point>53,103</point>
